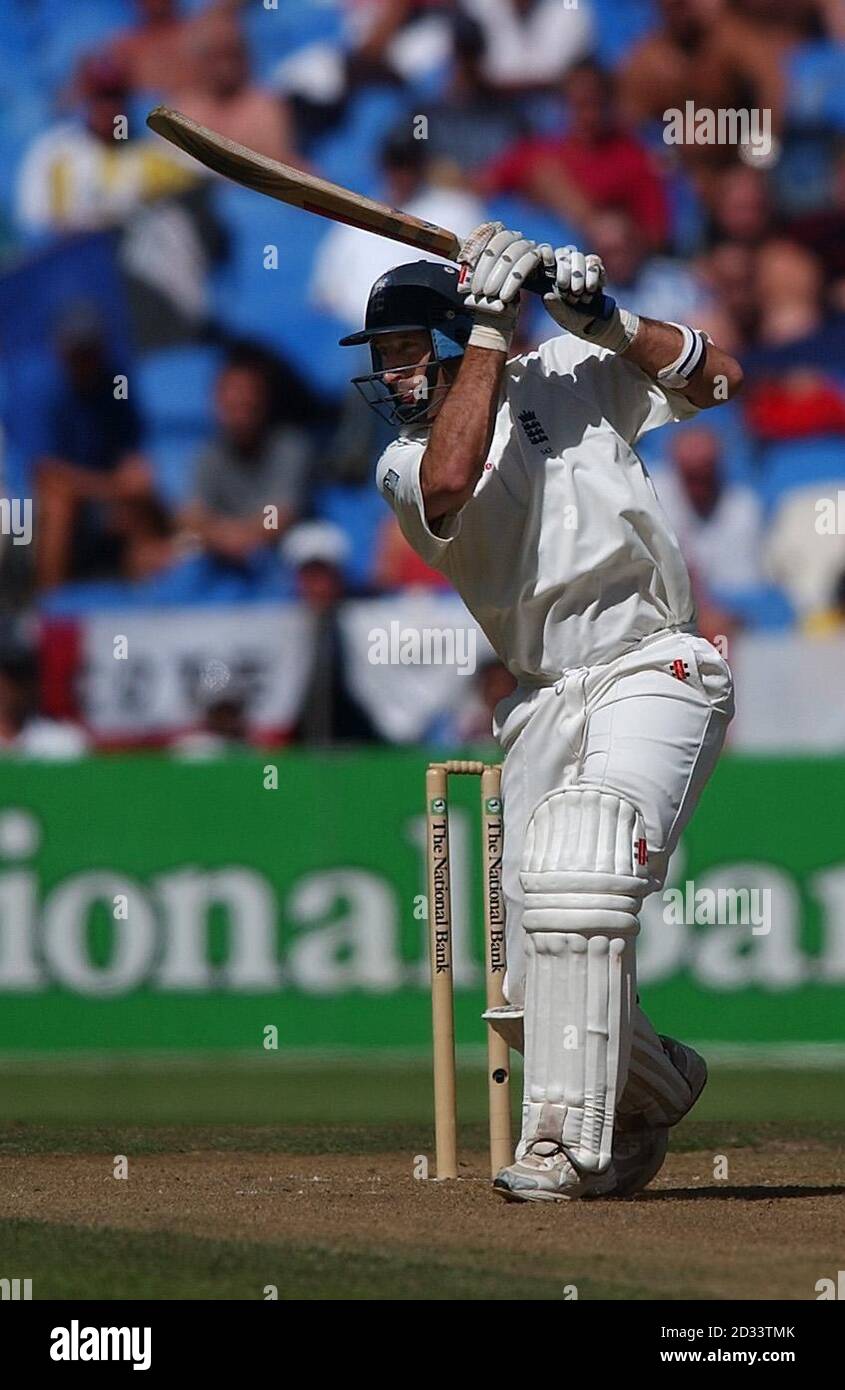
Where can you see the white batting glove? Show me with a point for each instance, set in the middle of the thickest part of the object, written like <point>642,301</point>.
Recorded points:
<point>578,302</point>
<point>495,263</point>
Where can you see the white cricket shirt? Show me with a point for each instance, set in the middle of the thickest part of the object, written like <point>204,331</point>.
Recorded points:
<point>563,554</point>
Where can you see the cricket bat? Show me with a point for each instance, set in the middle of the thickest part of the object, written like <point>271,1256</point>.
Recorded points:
<point>303,190</point>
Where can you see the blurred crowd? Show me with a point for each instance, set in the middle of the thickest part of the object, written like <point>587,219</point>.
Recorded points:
<point>173,401</point>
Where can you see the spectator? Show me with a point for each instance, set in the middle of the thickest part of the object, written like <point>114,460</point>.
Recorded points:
<point>92,465</point>
<point>409,184</point>
<point>157,52</point>
<point>720,58</point>
<point>718,524</point>
<point>741,206</point>
<point>397,564</point>
<point>252,480</point>
<point>146,529</point>
<point>330,712</point>
<point>823,232</point>
<point>655,286</point>
<point>224,97</point>
<point>82,175</point>
<point>397,41</point>
<point>471,123</point>
<point>222,728</point>
<point>728,272</point>
<point>793,389</point>
<point>530,44</point>
<point>22,730</point>
<point>790,287</point>
<point>473,727</point>
<point>594,166</point>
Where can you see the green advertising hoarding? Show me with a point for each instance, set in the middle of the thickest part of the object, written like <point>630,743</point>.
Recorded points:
<point>148,903</point>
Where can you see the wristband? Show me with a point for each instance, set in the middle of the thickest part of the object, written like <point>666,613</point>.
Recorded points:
<point>490,332</point>
<point>676,375</point>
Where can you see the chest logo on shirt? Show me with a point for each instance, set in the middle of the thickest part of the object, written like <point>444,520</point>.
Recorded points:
<point>534,431</point>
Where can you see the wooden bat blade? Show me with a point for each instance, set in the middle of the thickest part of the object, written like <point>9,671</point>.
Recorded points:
<point>296,187</point>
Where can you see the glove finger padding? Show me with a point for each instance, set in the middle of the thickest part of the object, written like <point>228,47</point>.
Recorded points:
<point>523,265</point>
<point>494,277</point>
<point>596,274</point>
<point>578,302</point>
<point>577,272</point>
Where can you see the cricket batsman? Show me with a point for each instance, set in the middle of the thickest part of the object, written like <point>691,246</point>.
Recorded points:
<point>517,478</point>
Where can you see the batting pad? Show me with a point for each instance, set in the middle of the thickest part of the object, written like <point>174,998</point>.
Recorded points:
<point>583,885</point>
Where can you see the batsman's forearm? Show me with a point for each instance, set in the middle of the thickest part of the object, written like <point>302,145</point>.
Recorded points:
<point>461,434</point>
<point>657,344</point>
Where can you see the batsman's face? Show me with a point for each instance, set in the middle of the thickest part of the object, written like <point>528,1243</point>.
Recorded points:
<point>404,357</point>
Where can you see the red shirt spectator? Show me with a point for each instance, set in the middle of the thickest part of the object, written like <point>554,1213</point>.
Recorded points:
<point>594,167</point>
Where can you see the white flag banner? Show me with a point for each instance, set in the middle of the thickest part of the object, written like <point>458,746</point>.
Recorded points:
<point>790,693</point>
<point>409,658</point>
<point>152,672</point>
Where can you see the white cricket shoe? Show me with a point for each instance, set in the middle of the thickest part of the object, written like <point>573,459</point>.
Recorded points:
<point>545,1173</point>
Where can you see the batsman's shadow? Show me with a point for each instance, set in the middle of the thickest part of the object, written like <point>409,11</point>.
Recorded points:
<point>722,1192</point>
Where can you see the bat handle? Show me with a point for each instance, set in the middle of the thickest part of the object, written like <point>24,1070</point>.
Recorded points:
<point>541,280</point>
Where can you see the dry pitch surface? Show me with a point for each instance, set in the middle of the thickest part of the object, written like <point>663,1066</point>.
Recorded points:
<point>320,1211</point>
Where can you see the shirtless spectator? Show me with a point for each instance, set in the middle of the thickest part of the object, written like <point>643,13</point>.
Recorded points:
<point>156,51</point>
<point>718,55</point>
<point>224,97</point>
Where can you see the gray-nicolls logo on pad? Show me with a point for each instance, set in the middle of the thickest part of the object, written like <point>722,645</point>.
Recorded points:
<point>83,1343</point>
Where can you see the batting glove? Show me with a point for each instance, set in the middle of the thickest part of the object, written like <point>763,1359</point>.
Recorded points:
<point>495,263</point>
<point>577,300</point>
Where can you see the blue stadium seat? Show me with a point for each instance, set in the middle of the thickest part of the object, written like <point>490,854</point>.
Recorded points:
<point>173,458</point>
<point>195,581</point>
<point>798,463</point>
<point>175,387</point>
<point>816,92</point>
<point>272,305</point>
<point>350,154</point>
<point>66,33</point>
<point>274,34</point>
<point>359,512</point>
<point>764,609</point>
<point>619,24</point>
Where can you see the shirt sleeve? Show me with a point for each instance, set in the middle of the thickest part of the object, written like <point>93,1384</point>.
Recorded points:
<point>631,402</point>
<point>640,403</point>
<point>398,480</point>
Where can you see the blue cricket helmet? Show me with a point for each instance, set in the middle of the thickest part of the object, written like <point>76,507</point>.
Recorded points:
<point>422,295</point>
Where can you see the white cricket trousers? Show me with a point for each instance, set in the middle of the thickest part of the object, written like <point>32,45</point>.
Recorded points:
<point>649,725</point>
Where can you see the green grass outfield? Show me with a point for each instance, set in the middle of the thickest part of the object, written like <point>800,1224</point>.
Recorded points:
<point>364,1088</point>
<point>71,1105</point>
<point>316,1106</point>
